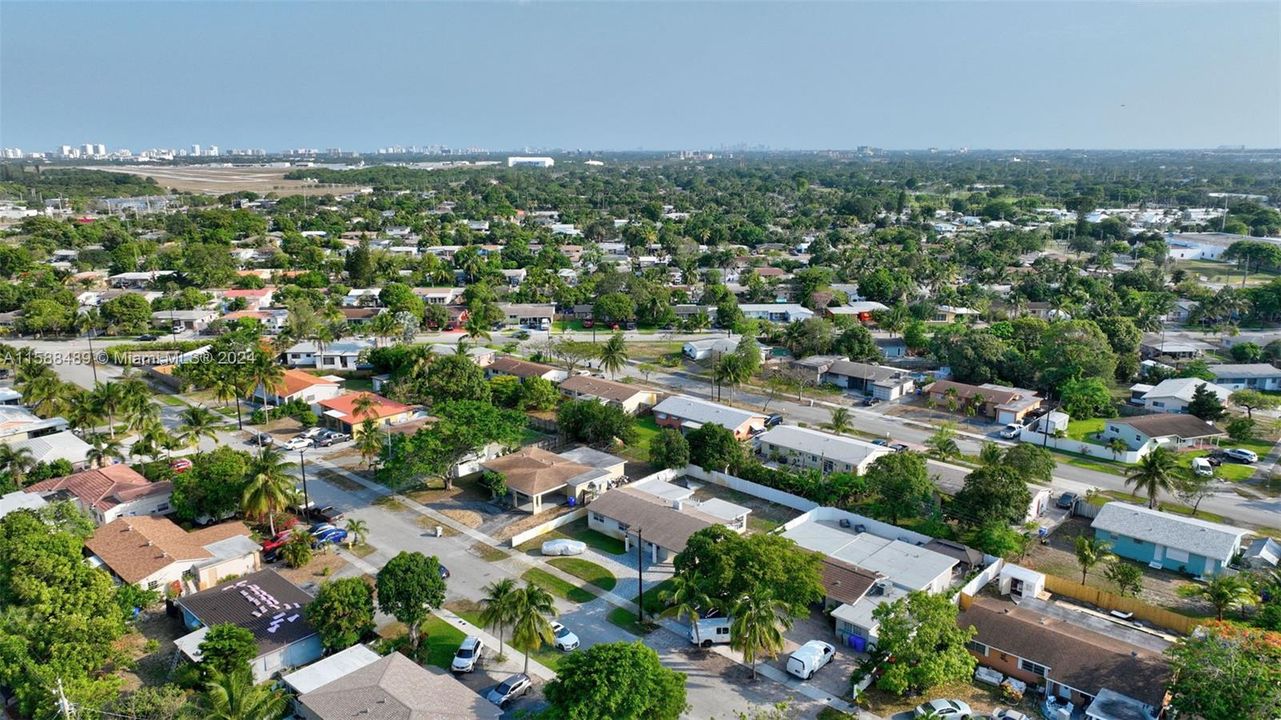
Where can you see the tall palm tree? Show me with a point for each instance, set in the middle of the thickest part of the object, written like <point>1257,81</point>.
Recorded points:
<point>1224,592</point>
<point>109,397</point>
<point>357,531</point>
<point>364,406</point>
<point>757,627</point>
<point>269,488</point>
<point>90,322</point>
<point>44,392</point>
<point>152,440</point>
<point>16,461</point>
<point>531,629</point>
<point>228,384</point>
<point>369,444</point>
<point>1154,473</point>
<point>1117,446</point>
<point>685,597</point>
<point>499,607</point>
<point>234,696</point>
<point>81,412</point>
<point>613,354</point>
<point>840,421</point>
<point>104,448</point>
<point>1091,551</point>
<point>382,326</point>
<point>198,421</point>
<point>265,373</point>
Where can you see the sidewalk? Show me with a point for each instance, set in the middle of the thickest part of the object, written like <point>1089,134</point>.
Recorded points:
<point>535,667</point>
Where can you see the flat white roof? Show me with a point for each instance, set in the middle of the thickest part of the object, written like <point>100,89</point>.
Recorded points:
<point>902,563</point>
<point>664,490</point>
<point>323,672</point>
<point>723,509</point>
<point>824,445</point>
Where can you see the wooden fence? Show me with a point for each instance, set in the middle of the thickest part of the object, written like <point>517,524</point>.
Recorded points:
<point>1160,617</point>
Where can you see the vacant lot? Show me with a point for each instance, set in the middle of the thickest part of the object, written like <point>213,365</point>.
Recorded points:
<point>765,515</point>
<point>220,180</point>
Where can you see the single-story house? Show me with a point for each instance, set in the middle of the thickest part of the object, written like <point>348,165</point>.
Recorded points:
<point>1073,661</point>
<point>683,412</point>
<point>664,526</point>
<point>255,298</point>
<point>1172,348</point>
<point>358,316</point>
<point>439,295</point>
<point>1177,430</point>
<point>810,369</point>
<point>776,312</point>
<point>878,381</point>
<point>108,493</point>
<point>193,320</point>
<point>533,473</point>
<point>1172,542</point>
<point>1256,376</point>
<point>343,355</point>
<point>265,604</point>
<point>328,669</point>
<point>137,280</point>
<point>710,348</point>
<point>340,412</point>
<point>949,313</point>
<point>1264,554</point>
<point>1174,394</point>
<point>393,687</point>
<point>152,552</point>
<point>631,398</point>
<point>482,356</point>
<point>64,445</point>
<point>807,448</point>
<point>523,369</point>
<point>891,348</point>
<point>303,386</point>
<point>863,311</point>
<point>1004,404</point>
<point>527,315</point>
<point>19,500</point>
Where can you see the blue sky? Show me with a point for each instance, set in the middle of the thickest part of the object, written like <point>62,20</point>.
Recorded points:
<point>648,75</point>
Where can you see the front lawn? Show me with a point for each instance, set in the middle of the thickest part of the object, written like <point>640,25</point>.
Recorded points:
<point>585,570</point>
<point>441,639</point>
<point>1082,430</point>
<point>556,586</point>
<point>576,530</point>
<point>626,619</point>
<point>653,605</point>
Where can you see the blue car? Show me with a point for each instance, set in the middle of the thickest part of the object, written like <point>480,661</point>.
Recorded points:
<point>324,537</point>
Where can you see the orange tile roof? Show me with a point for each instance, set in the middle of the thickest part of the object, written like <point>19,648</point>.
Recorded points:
<point>346,404</point>
<point>103,488</point>
<point>296,380</point>
<point>137,547</point>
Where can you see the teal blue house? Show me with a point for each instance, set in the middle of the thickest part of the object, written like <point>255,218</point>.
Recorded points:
<point>1169,542</point>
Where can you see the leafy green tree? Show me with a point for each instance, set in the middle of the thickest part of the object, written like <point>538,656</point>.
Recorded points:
<point>595,424</point>
<point>921,634</point>
<point>1074,349</point>
<point>538,394</point>
<point>1241,429</point>
<point>839,421</point>
<point>227,648</point>
<point>1033,463</point>
<point>1087,398</point>
<point>1228,672</point>
<point>342,613</point>
<point>268,488</point>
<point>992,492</point>
<point>455,377</point>
<point>995,537</point>
<point>942,444</point>
<point>234,696</point>
<point>127,313</point>
<point>1127,577</point>
<point>903,487</point>
<point>213,486</point>
<point>462,427</point>
<point>639,687</point>
<point>1253,400</point>
<point>686,597</point>
<point>757,626</point>
<point>614,308</point>
<point>1091,551</point>
<point>713,447</point>
<point>409,586</point>
<point>669,449</point>
<point>1205,404</point>
<point>1154,474</point>
<point>732,566</point>
<point>856,343</point>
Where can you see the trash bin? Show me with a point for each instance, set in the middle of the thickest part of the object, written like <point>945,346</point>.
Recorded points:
<point>439,531</point>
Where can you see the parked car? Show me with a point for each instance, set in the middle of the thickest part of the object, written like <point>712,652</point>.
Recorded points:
<point>1006,714</point>
<point>1011,431</point>
<point>181,465</point>
<point>261,439</point>
<point>899,447</point>
<point>146,337</point>
<point>312,432</point>
<point>564,546</point>
<point>468,654</point>
<point>950,709</point>
<point>773,420</point>
<point>588,323</point>
<point>882,442</point>
<point>278,541</point>
<point>565,639</point>
<point>332,535</point>
<point>327,514</point>
<point>444,573</point>
<point>1202,467</point>
<point>1067,500</point>
<point>513,687</point>
<point>330,437</point>
<point>810,658</point>
<point>1241,455</point>
<point>871,400</point>
<point>297,443</point>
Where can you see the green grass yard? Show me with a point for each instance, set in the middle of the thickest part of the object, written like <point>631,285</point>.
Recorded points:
<point>556,586</point>
<point>576,530</point>
<point>442,640</point>
<point>1082,429</point>
<point>626,619</point>
<point>646,431</point>
<point>585,570</point>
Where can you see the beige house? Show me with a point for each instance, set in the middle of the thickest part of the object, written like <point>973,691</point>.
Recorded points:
<point>156,554</point>
<point>630,398</point>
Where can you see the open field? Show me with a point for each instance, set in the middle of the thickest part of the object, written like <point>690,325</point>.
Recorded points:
<point>220,180</point>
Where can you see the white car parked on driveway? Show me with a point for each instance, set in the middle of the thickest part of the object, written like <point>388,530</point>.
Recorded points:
<point>564,546</point>
<point>566,640</point>
<point>809,658</point>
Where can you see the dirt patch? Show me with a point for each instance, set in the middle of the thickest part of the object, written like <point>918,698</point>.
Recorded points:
<point>525,522</point>
<point>1160,587</point>
<point>340,481</point>
<point>488,552</point>
<point>980,698</point>
<point>392,503</point>
<point>765,515</point>
<point>470,518</point>
<point>463,490</point>
<point>151,648</point>
<point>323,565</point>
<point>430,525</point>
<point>221,180</point>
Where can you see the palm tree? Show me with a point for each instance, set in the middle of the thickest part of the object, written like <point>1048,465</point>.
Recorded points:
<point>364,405</point>
<point>383,325</point>
<point>613,354</point>
<point>90,322</point>
<point>198,421</point>
<point>942,443</point>
<point>104,448</point>
<point>1155,473</point>
<point>228,384</point>
<point>109,397</point>
<point>369,444</point>
<point>269,488</point>
<point>685,597</point>
<point>757,627</point>
<point>234,696</point>
<point>152,439</point>
<point>475,328</point>
<point>43,392</point>
<point>499,607</point>
<point>1224,592</point>
<point>531,629</point>
<point>1117,446</point>
<point>1091,551</point>
<point>265,373</point>
<point>357,531</point>
<point>16,461</point>
<point>840,421</point>
<point>990,454</point>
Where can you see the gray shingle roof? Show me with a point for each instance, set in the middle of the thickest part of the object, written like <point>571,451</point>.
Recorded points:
<point>397,688</point>
<point>701,411</point>
<point>1198,537</point>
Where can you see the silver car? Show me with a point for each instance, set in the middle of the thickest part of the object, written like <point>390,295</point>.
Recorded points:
<point>513,687</point>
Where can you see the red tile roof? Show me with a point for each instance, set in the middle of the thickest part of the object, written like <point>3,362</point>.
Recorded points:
<point>103,488</point>
<point>346,404</point>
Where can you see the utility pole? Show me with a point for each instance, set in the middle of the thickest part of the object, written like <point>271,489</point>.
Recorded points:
<point>302,464</point>
<point>65,708</point>
<point>640,576</point>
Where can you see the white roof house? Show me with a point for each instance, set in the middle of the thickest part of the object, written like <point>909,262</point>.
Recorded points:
<point>776,312</point>
<point>1259,376</point>
<point>1174,394</point>
<point>19,500</point>
<point>692,411</point>
<point>56,446</point>
<point>323,672</point>
<point>804,447</point>
<point>908,566</point>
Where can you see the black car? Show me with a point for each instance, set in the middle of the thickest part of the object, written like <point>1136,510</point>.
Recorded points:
<point>444,573</point>
<point>148,337</point>
<point>1067,500</point>
<point>773,420</point>
<point>870,401</point>
<point>327,514</point>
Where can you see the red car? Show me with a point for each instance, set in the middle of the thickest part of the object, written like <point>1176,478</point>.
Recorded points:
<point>181,465</point>
<point>275,543</point>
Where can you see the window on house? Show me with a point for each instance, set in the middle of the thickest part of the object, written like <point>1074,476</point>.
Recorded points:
<point>624,526</point>
<point>977,647</point>
<point>598,517</point>
<point>1032,667</point>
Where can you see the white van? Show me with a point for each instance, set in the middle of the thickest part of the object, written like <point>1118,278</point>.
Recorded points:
<point>1201,466</point>
<point>809,658</point>
<point>710,631</point>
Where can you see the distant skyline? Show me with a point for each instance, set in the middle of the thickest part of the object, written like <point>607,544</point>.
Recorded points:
<point>629,76</point>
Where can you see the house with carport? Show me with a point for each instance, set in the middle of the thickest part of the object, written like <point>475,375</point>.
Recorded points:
<point>1168,542</point>
<point>661,516</point>
<point>537,478</point>
<point>874,381</point>
<point>807,448</point>
<point>1174,430</point>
